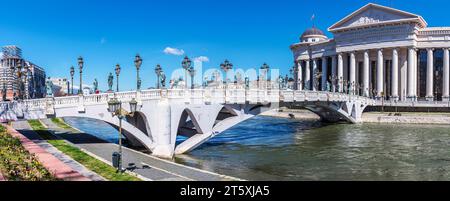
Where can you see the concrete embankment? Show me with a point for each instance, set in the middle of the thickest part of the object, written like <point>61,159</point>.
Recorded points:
<point>371,117</point>
<point>292,114</point>
<point>407,118</point>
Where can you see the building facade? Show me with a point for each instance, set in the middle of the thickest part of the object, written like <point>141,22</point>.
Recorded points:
<point>60,86</point>
<point>378,52</point>
<point>20,79</point>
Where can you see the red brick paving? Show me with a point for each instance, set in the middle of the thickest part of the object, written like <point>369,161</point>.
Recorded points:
<point>1,177</point>
<point>56,167</point>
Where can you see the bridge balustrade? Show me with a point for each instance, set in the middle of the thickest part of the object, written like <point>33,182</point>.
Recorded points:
<point>70,101</point>
<point>152,94</point>
<point>126,95</point>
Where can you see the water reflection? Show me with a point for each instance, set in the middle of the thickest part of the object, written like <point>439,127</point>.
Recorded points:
<point>265,148</point>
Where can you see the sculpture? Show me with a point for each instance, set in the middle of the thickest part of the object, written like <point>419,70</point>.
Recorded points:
<point>48,87</point>
<point>163,79</point>
<point>110,81</point>
<point>95,85</point>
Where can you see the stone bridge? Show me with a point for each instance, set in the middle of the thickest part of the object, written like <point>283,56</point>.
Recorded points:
<point>198,114</point>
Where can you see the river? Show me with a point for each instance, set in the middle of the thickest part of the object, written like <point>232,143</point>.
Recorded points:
<point>267,148</point>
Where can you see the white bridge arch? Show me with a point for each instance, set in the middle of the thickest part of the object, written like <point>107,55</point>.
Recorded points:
<point>198,114</point>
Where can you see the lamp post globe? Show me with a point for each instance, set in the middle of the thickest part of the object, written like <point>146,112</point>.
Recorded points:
<point>133,105</point>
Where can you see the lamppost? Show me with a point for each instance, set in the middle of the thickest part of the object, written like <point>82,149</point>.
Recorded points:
<point>186,64</point>
<point>80,65</point>
<point>265,69</point>
<point>226,66</point>
<point>192,74</point>
<point>117,76</point>
<point>72,73</point>
<point>115,107</point>
<point>138,63</point>
<point>158,71</point>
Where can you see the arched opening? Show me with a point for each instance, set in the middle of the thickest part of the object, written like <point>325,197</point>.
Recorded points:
<point>224,113</point>
<point>187,126</point>
<point>139,120</point>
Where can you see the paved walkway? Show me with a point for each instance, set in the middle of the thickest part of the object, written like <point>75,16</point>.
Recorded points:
<point>1,177</point>
<point>55,166</point>
<point>25,129</point>
<point>147,166</point>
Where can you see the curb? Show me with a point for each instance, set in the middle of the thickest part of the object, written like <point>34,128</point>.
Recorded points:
<point>56,167</point>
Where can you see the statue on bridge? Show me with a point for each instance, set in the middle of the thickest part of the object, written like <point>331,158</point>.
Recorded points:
<point>163,79</point>
<point>110,81</point>
<point>49,87</point>
<point>95,85</point>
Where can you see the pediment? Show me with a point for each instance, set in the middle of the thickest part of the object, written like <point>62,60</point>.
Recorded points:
<point>375,14</point>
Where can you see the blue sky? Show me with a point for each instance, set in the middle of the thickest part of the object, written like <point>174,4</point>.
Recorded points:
<point>54,33</point>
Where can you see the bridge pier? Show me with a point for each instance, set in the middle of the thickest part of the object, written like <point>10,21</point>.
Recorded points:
<point>163,147</point>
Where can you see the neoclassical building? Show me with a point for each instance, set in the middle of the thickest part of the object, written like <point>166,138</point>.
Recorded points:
<point>376,51</point>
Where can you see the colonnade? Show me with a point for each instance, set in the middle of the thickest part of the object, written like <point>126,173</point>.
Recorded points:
<point>308,73</point>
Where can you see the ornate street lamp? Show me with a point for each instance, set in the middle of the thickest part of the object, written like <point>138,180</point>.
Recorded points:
<point>115,107</point>
<point>138,63</point>
<point>117,76</point>
<point>72,73</point>
<point>186,64</point>
<point>265,69</point>
<point>80,66</point>
<point>226,66</point>
<point>158,71</point>
<point>192,74</point>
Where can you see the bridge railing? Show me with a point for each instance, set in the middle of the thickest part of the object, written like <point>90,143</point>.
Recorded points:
<point>151,94</point>
<point>65,101</point>
<point>97,99</point>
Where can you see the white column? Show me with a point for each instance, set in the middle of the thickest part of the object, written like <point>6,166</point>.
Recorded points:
<point>314,71</point>
<point>333,73</point>
<point>415,73</point>
<point>394,81</point>
<point>299,75</point>
<point>366,73</point>
<point>380,65</point>
<point>307,75</point>
<point>430,69</point>
<point>352,72</point>
<point>410,86</point>
<point>324,73</point>
<point>340,72</point>
<point>446,76</point>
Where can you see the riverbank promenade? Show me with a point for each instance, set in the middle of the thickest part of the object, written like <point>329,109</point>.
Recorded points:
<point>146,167</point>
<point>55,166</point>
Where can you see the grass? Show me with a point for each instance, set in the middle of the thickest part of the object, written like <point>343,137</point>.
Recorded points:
<point>93,164</point>
<point>17,164</point>
<point>60,123</point>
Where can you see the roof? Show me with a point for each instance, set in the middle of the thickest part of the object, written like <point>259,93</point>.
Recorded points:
<point>313,31</point>
<point>392,16</point>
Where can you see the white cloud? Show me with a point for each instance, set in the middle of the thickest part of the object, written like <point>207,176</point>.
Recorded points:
<point>201,59</point>
<point>173,51</point>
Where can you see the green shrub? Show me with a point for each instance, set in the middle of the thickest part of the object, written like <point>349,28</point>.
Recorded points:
<point>17,164</point>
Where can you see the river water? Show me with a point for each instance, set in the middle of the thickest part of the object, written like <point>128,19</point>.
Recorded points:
<point>266,148</point>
